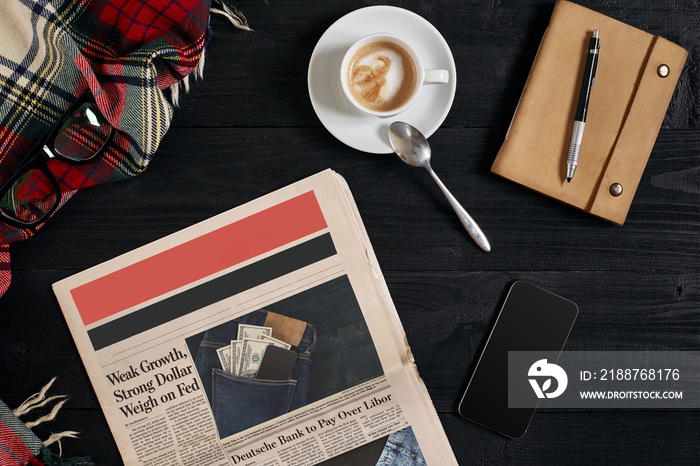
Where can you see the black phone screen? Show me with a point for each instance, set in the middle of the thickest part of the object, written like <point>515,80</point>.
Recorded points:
<point>532,319</point>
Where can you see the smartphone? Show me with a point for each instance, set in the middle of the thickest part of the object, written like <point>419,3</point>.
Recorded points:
<point>277,363</point>
<point>531,319</point>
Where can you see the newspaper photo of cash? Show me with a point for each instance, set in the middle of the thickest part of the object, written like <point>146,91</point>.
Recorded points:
<point>244,355</point>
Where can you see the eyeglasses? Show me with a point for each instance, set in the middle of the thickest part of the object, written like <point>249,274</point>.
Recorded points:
<point>79,136</point>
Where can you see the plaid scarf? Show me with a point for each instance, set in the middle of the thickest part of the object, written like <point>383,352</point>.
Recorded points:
<point>126,52</point>
<point>19,446</point>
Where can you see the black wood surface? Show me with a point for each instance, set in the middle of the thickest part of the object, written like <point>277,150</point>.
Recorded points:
<point>249,128</point>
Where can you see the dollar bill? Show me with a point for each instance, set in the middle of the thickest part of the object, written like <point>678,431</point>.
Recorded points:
<point>236,351</point>
<point>224,354</point>
<point>252,332</point>
<point>251,357</point>
<point>275,341</point>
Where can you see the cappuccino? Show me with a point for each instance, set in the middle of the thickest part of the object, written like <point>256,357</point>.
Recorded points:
<point>381,76</point>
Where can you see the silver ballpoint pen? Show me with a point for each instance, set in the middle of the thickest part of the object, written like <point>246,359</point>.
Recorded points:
<point>582,110</point>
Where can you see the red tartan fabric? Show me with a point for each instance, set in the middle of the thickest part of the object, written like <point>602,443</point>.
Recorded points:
<point>126,52</point>
<point>5,275</point>
<point>13,451</point>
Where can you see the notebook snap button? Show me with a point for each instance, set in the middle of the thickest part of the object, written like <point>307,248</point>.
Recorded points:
<point>615,189</point>
<point>663,71</point>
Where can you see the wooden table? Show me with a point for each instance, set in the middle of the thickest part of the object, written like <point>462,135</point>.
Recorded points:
<point>249,128</point>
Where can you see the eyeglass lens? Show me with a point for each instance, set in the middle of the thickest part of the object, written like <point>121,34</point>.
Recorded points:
<point>83,134</point>
<point>30,197</point>
<point>34,194</point>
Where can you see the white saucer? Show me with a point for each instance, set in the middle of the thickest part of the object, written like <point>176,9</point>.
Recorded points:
<point>349,125</point>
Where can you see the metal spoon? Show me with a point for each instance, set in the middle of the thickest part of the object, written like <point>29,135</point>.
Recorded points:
<point>413,148</point>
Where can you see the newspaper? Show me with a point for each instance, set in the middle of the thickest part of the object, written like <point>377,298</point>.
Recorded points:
<point>262,336</point>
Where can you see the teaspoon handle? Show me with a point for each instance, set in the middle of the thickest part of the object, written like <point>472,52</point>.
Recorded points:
<point>466,220</point>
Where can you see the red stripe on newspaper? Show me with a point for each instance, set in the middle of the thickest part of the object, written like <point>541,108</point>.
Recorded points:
<point>199,258</point>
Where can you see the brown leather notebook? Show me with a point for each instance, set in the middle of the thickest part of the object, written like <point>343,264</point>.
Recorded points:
<point>637,74</point>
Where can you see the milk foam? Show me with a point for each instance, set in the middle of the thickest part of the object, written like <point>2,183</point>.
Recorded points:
<point>393,77</point>
<point>377,77</point>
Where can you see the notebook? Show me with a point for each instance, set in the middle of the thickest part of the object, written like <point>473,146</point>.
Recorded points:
<point>636,78</point>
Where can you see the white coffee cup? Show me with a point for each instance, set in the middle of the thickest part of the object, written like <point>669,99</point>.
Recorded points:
<point>396,89</point>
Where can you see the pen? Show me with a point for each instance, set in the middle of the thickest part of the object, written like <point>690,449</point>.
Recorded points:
<point>580,120</point>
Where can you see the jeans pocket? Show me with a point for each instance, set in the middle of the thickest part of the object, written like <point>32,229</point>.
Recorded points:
<point>242,402</point>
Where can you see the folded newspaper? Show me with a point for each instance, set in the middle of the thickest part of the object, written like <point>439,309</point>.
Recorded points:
<point>262,336</point>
